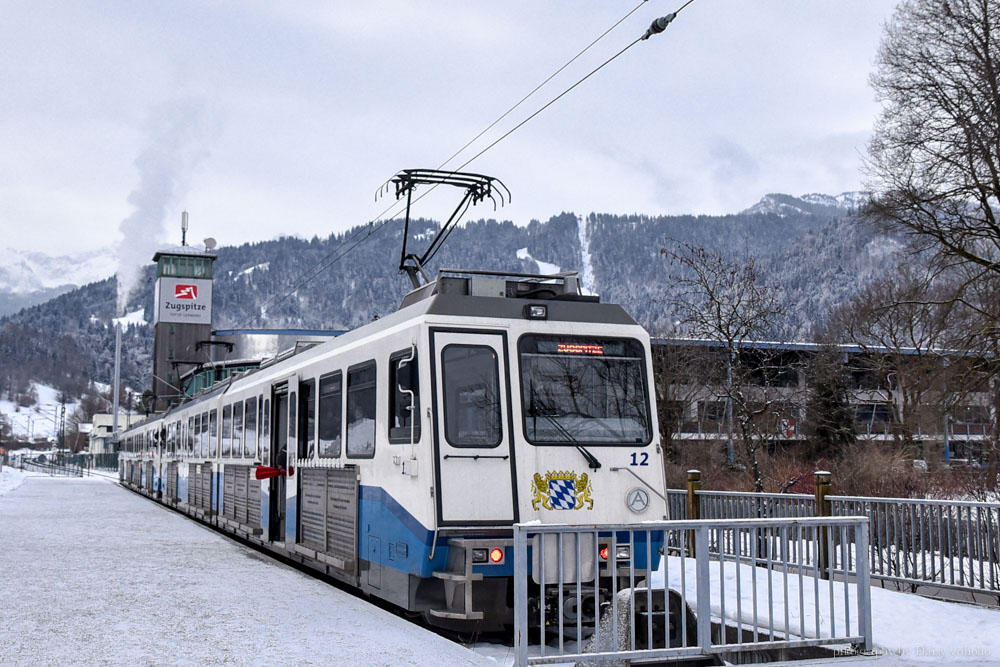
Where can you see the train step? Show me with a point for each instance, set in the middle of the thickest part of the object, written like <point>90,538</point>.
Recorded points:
<point>458,579</point>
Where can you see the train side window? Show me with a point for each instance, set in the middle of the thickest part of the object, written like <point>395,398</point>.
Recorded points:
<point>471,396</point>
<point>227,430</point>
<point>404,379</point>
<point>204,435</point>
<point>331,409</point>
<point>190,436</point>
<point>213,433</point>
<point>307,419</point>
<point>238,430</point>
<point>250,444</point>
<point>265,433</point>
<point>361,405</point>
<point>197,436</point>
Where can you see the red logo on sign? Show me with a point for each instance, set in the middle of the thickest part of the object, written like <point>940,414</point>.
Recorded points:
<point>185,291</point>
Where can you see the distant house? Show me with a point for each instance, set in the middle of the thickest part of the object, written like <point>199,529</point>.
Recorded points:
<point>102,430</point>
<point>939,403</point>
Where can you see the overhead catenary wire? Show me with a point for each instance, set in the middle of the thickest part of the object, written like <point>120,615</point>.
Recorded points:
<point>657,26</point>
<point>333,256</point>
<point>541,85</point>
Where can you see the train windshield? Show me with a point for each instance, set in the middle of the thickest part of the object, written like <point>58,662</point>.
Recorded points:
<point>584,390</point>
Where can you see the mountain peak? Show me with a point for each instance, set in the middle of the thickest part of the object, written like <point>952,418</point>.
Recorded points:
<point>813,203</point>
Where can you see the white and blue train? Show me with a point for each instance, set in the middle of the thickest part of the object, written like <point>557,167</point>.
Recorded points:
<point>396,457</point>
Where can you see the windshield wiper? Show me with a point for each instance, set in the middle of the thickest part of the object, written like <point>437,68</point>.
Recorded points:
<point>591,459</point>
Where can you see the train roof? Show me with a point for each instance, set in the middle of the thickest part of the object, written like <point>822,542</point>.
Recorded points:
<point>457,293</point>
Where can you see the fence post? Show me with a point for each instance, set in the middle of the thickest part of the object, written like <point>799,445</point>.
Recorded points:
<point>864,586</point>
<point>703,583</point>
<point>521,597</point>
<point>694,504</point>
<point>824,507</point>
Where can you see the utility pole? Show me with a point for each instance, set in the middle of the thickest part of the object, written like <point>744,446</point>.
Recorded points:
<point>62,424</point>
<point>117,380</point>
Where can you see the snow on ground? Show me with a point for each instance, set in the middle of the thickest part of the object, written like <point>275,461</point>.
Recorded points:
<point>137,317</point>
<point>140,574</point>
<point>10,479</point>
<point>905,626</point>
<point>118,580</point>
<point>544,268</point>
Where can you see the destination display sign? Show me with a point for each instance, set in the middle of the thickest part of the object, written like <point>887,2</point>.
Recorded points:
<point>183,301</point>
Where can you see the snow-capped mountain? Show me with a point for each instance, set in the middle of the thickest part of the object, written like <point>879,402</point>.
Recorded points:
<point>807,204</point>
<point>28,278</point>
<point>812,247</point>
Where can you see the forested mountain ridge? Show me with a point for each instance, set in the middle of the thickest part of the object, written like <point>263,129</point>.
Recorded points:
<point>815,249</point>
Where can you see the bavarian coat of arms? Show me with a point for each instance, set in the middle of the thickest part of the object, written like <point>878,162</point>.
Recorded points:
<point>561,491</point>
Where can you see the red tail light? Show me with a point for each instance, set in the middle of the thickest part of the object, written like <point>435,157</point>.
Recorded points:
<point>604,553</point>
<point>496,555</point>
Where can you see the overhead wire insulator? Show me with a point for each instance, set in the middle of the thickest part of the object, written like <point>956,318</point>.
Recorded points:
<point>659,25</point>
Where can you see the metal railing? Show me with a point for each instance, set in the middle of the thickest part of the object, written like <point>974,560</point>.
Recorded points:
<point>947,544</point>
<point>700,597</point>
<point>107,461</point>
<point>742,505</point>
<point>53,469</point>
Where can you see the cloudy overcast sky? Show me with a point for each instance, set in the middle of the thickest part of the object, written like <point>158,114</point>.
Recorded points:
<point>264,118</point>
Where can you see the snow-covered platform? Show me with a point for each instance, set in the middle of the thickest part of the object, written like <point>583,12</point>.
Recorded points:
<point>91,573</point>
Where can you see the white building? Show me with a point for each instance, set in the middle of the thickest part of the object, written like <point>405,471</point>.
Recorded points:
<point>103,424</point>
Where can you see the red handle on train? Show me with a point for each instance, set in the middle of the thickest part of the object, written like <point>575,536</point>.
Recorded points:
<point>267,472</point>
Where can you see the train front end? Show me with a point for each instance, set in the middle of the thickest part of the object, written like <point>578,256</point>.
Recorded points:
<point>549,418</point>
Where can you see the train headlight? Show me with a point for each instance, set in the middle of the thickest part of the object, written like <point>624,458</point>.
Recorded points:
<point>622,552</point>
<point>480,555</point>
<point>536,312</point>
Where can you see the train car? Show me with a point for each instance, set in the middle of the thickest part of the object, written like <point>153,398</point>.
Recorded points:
<point>397,456</point>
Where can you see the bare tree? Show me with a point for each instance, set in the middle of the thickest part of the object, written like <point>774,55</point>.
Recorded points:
<point>934,158</point>
<point>730,302</point>
<point>679,373</point>
<point>911,326</point>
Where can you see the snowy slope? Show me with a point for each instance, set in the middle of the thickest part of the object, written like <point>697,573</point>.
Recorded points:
<point>27,278</point>
<point>22,272</point>
<point>137,317</point>
<point>37,422</point>
<point>545,268</point>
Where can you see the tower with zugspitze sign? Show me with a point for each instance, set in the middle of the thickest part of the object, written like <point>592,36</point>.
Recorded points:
<point>183,317</point>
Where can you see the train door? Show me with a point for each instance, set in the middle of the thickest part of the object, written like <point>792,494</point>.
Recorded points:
<point>475,469</point>
<point>282,401</point>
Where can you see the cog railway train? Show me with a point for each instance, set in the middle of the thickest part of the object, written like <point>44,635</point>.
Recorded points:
<point>396,457</point>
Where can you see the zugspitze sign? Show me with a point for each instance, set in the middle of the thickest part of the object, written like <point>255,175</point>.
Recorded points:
<point>184,300</point>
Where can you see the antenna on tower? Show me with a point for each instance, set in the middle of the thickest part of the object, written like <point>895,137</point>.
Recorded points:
<point>184,227</point>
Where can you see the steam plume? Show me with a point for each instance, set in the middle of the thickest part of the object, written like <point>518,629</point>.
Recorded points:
<point>176,137</point>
